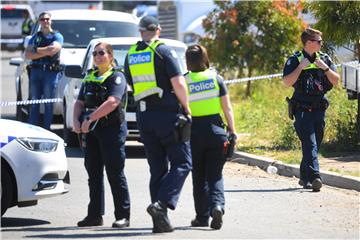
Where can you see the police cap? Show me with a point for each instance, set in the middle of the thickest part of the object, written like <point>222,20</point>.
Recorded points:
<point>149,23</point>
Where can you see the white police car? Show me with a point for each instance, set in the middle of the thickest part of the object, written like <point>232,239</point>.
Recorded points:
<point>33,164</point>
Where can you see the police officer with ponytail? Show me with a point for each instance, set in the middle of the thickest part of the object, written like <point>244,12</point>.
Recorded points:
<point>153,71</point>
<point>208,97</point>
<point>99,113</point>
<point>312,74</point>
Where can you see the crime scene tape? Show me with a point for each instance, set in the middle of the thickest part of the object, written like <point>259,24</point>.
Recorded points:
<point>270,76</point>
<point>28,102</point>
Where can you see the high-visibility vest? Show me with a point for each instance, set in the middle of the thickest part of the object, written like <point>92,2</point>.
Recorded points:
<point>311,65</point>
<point>204,93</point>
<point>142,69</point>
<point>91,76</point>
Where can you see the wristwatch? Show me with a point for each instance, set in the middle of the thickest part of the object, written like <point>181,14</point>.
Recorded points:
<point>327,69</point>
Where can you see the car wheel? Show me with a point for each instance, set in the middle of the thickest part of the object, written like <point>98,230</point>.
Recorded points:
<point>69,136</point>
<point>7,190</point>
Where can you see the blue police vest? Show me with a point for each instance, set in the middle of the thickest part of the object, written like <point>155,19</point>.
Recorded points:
<point>43,41</point>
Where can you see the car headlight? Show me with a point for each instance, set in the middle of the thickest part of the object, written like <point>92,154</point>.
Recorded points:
<point>39,144</point>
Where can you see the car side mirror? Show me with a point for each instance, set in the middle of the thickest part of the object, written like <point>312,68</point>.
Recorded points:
<point>74,71</point>
<point>17,61</point>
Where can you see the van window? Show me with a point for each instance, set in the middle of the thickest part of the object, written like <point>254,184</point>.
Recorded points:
<point>78,33</point>
<point>11,13</point>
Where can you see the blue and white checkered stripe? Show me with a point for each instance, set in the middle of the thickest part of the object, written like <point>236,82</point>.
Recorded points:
<point>5,140</point>
<point>28,102</point>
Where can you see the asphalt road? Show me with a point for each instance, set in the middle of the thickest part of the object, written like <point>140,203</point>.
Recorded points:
<point>258,205</point>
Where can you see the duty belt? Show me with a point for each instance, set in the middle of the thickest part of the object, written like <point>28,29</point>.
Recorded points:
<point>322,105</point>
<point>47,67</point>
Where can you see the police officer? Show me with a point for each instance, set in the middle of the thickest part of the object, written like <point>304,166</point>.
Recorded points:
<point>312,74</point>
<point>27,24</point>
<point>153,71</point>
<point>44,51</point>
<point>99,113</point>
<point>208,98</point>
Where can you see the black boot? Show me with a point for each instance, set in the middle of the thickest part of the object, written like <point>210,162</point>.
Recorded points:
<point>91,221</point>
<point>199,223</point>
<point>217,215</point>
<point>159,215</point>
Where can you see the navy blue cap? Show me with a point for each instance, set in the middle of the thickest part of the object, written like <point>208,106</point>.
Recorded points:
<point>149,23</point>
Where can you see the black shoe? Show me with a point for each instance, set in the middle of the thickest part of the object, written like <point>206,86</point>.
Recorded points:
<point>91,221</point>
<point>199,223</point>
<point>121,223</point>
<point>307,186</point>
<point>217,215</point>
<point>301,182</point>
<point>316,185</point>
<point>160,218</point>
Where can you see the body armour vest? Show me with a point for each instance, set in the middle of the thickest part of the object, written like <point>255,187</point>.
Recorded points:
<point>142,69</point>
<point>204,93</point>
<point>43,41</point>
<point>312,81</point>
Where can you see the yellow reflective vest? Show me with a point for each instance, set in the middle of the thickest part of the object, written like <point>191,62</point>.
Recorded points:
<point>311,65</point>
<point>204,93</point>
<point>142,69</point>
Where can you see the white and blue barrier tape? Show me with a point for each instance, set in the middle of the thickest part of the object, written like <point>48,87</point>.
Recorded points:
<point>28,102</point>
<point>270,76</point>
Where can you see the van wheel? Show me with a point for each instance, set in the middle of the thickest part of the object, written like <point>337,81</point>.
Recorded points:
<point>7,190</point>
<point>69,136</point>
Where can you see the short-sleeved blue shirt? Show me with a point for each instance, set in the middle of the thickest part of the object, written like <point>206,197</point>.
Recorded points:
<point>40,40</point>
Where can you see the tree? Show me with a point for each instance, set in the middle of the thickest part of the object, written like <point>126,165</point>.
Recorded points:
<point>338,20</point>
<point>252,37</point>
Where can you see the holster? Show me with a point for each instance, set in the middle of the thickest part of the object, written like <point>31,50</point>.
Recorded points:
<point>182,128</point>
<point>291,108</point>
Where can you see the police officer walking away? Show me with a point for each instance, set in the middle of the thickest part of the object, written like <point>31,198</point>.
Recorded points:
<point>152,69</point>
<point>312,74</point>
<point>99,113</point>
<point>44,51</point>
<point>208,98</point>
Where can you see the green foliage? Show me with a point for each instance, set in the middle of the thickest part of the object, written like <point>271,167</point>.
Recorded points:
<point>338,20</point>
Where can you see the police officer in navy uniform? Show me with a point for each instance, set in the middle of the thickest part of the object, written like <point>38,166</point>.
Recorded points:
<point>99,113</point>
<point>312,74</point>
<point>208,97</point>
<point>153,71</point>
<point>44,51</point>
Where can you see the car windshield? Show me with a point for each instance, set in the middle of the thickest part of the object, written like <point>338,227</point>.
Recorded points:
<point>78,34</point>
<point>11,13</point>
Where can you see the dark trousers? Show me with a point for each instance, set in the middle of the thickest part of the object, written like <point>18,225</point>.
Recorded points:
<point>309,127</point>
<point>169,162</point>
<point>208,162</point>
<point>106,147</point>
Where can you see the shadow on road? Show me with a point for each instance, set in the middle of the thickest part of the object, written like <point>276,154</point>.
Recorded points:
<point>21,222</point>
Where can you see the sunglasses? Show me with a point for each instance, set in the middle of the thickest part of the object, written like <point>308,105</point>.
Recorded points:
<point>44,19</point>
<point>101,53</point>
<point>318,41</point>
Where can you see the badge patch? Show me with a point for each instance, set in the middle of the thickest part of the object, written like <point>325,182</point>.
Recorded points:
<point>118,80</point>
